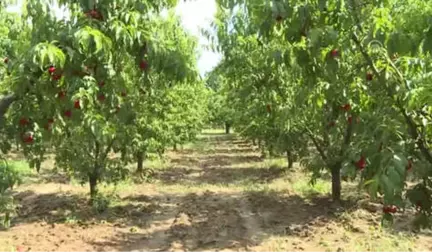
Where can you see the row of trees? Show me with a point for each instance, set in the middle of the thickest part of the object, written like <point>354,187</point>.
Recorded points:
<point>342,86</point>
<point>109,84</point>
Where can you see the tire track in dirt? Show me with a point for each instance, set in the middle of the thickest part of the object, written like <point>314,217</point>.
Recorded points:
<point>209,221</point>
<point>206,220</point>
<point>252,224</point>
<point>215,220</point>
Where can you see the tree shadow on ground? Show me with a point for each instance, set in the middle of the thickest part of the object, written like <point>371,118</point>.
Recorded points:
<point>217,137</point>
<point>225,159</point>
<point>215,158</point>
<point>185,162</point>
<point>229,150</point>
<point>47,175</point>
<point>206,221</point>
<point>214,221</point>
<point>239,141</point>
<point>184,151</point>
<point>63,207</point>
<point>217,175</point>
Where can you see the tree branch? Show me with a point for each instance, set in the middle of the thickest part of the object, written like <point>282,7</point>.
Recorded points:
<point>412,127</point>
<point>5,102</point>
<point>107,150</point>
<point>318,147</point>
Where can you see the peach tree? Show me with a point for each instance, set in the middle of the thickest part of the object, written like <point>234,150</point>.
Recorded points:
<point>359,82</point>
<point>166,88</point>
<point>77,86</point>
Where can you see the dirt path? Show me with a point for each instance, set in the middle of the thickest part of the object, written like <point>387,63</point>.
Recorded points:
<point>217,195</point>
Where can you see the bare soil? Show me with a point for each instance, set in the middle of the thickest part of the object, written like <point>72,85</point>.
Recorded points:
<point>218,195</point>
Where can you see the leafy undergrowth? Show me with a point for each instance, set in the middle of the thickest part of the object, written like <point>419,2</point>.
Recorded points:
<point>215,194</point>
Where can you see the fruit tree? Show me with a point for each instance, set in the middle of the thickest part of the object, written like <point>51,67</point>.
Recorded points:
<point>84,84</point>
<point>347,80</point>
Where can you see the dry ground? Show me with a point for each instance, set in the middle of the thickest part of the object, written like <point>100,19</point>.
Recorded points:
<point>217,194</point>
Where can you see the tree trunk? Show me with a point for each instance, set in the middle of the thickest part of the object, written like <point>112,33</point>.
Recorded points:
<point>5,102</point>
<point>93,186</point>
<point>290,159</point>
<point>254,142</point>
<point>270,150</point>
<point>263,151</point>
<point>140,162</point>
<point>123,154</point>
<point>227,128</point>
<point>175,147</point>
<point>336,182</point>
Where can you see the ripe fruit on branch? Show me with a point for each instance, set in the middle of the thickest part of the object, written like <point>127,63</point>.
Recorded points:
<point>77,104</point>
<point>123,94</point>
<point>101,97</point>
<point>51,70</point>
<point>68,113</point>
<point>332,124</point>
<point>389,209</point>
<point>49,124</point>
<point>101,84</point>
<point>24,121</point>
<point>56,77</point>
<point>28,138</point>
<point>61,94</point>
<point>361,163</point>
<point>6,60</point>
<point>268,108</point>
<point>369,76</point>
<point>94,14</point>
<point>350,118</point>
<point>143,65</point>
<point>346,107</point>
<point>334,53</point>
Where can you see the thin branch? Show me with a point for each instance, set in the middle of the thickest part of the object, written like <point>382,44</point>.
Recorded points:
<point>107,150</point>
<point>318,147</point>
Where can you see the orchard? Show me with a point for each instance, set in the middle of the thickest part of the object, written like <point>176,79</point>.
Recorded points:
<point>346,80</point>
<point>110,96</point>
<point>98,83</point>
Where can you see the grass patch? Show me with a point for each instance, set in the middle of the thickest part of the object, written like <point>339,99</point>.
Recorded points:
<point>196,145</point>
<point>303,187</point>
<point>378,239</point>
<point>21,167</point>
